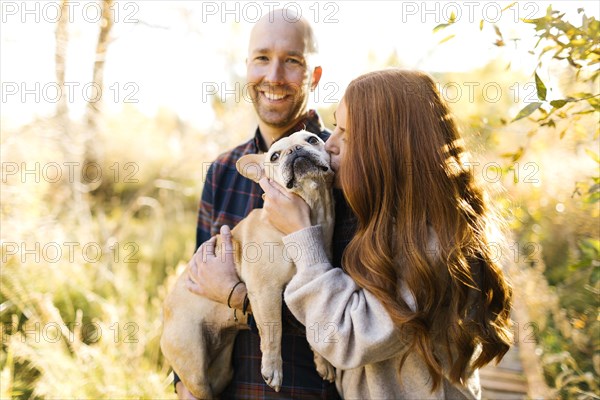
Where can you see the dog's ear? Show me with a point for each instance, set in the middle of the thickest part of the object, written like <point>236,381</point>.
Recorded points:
<point>251,166</point>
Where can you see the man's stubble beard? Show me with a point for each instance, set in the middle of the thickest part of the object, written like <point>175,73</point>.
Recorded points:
<point>280,121</point>
<point>283,119</point>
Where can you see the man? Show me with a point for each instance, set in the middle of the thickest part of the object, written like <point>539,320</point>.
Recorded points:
<point>279,78</point>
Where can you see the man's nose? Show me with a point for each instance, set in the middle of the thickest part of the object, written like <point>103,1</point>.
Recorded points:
<point>275,72</point>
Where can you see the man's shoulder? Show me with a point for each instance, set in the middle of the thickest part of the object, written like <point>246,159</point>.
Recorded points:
<point>324,134</point>
<point>231,156</point>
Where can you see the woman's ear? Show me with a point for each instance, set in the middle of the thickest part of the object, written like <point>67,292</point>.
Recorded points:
<point>251,166</point>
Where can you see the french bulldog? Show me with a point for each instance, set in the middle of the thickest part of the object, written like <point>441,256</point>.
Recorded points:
<point>198,334</point>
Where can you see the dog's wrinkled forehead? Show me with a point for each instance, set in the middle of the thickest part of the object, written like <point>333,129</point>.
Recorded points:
<point>302,138</point>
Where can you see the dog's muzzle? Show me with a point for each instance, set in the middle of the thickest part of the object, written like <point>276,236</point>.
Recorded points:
<point>302,162</point>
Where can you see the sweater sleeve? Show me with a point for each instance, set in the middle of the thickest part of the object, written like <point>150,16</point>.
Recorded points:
<point>345,323</point>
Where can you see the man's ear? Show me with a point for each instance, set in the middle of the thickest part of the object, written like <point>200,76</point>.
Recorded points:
<point>251,166</point>
<point>316,77</point>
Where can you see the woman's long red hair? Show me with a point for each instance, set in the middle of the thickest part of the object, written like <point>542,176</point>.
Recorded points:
<point>404,173</point>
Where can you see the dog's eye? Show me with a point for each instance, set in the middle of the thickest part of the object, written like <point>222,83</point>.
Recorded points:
<point>313,140</point>
<point>275,156</point>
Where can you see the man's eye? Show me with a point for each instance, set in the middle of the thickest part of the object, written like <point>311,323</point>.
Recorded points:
<point>313,140</point>
<point>262,58</point>
<point>274,156</point>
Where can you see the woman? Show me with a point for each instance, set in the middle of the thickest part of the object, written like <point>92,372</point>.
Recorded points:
<point>421,303</point>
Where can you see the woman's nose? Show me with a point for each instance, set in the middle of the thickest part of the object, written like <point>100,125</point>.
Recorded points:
<point>330,146</point>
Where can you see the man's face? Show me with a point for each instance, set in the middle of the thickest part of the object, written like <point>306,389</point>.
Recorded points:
<point>277,72</point>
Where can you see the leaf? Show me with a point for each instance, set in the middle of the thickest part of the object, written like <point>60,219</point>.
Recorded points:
<point>550,123</point>
<point>558,103</point>
<point>595,103</point>
<point>447,24</point>
<point>446,39</point>
<point>452,18</point>
<point>532,21</point>
<point>594,155</point>
<point>481,25</point>
<point>593,198</point>
<point>541,88</point>
<point>527,111</point>
<point>590,247</point>
<point>509,6</point>
<point>562,134</point>
<point>580,95</point>
<point>544,114</point>
<point>497,30</point>
<point>595,276</point>
<point>546,49</point>
<point>561,102</point>
<point>440,27</point>
<point>584,112</point>
<point>514,156</point>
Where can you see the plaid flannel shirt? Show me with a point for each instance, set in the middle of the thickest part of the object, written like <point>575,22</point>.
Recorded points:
<point>227,198</point>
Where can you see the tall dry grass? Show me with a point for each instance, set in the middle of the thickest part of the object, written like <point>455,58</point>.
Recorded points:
<point>86,262</point>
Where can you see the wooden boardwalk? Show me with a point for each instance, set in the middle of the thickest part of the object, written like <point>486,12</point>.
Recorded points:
<point>519,375</point>
<point>505,380</point>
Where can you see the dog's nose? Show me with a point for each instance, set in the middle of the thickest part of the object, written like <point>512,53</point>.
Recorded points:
<point>294,148</point>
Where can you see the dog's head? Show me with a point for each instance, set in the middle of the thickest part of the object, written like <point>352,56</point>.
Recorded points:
<point>294,161</point>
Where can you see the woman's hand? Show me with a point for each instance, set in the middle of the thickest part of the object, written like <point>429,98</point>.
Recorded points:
<point>285,211</point>
<point>213,276</point>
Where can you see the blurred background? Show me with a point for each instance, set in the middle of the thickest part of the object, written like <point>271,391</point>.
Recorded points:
<point>112,111</point>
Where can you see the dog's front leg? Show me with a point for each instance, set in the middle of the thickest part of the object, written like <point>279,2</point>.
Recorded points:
<point>266,309</point>
<point>324,367</point>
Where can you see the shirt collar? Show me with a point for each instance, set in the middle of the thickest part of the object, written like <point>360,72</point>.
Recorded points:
<point>311,122</point>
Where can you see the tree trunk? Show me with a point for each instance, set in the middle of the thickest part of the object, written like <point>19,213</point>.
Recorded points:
<point>94,107</point>
<point>106,24</point>
<point>62,38</point>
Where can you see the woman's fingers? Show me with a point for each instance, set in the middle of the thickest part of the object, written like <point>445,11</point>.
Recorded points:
<point>284,210</point>
<point>279,189</point>
<point>272,189</point>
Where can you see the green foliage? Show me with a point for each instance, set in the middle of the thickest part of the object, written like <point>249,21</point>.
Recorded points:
<point>573,351</point>
<point>561,136</point>
<point>579,46</point>
<point>576,44</point>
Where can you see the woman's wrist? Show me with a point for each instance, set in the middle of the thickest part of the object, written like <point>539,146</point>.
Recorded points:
<point>309,243</point>
<point>301,222</point>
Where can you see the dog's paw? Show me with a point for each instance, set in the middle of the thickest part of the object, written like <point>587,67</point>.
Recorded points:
<point>272,373</point>
<point>324,368</point>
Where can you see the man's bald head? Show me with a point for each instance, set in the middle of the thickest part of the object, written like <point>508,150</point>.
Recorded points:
<point>285,23</point>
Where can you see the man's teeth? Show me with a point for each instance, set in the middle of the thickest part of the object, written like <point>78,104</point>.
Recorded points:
<point>273,96</point>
